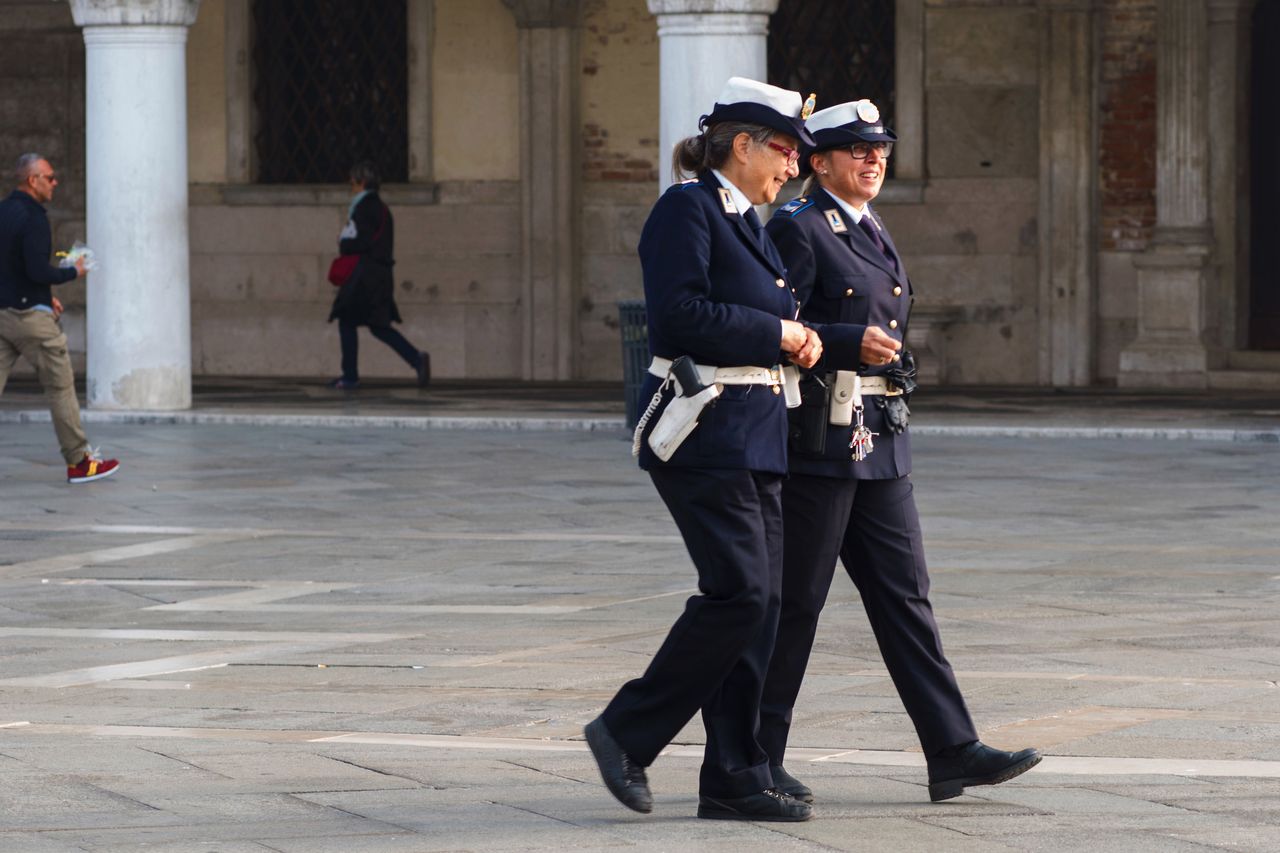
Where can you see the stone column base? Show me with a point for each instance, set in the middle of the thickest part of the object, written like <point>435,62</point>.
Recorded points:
<point>1169,351</point>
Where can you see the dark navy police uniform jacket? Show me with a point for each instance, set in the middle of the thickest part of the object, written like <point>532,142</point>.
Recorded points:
<point>716,291</point>
<point>840,277</point>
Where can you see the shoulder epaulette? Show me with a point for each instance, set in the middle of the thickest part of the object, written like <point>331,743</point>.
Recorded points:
<point>793,207</point>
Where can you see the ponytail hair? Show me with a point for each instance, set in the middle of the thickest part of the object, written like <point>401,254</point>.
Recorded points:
<point>711,148</point>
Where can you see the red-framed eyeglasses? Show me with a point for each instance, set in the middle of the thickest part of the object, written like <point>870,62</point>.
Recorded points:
<point>792,155</point>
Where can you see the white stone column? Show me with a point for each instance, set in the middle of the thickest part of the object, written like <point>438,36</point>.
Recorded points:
<point>139,307</point>
<point>701,44</point>
<point>1175,271</point>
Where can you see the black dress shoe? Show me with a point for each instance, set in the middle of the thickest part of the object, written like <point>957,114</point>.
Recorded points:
<point>790,785</point>
<point>957,768</point>
<point>623,777</point>
<point>769,804</point>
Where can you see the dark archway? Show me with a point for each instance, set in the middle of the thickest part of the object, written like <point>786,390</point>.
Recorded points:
<point>1264,259</point>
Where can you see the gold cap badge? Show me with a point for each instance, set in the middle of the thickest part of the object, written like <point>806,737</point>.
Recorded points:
<point>809,103</point>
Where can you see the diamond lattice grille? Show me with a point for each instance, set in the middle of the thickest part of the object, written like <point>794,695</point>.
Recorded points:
<point>841,49</point>
<point>330,83</point>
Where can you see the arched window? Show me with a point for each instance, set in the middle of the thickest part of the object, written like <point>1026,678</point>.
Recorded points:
<point>841,49</point>
<point>330,87</point>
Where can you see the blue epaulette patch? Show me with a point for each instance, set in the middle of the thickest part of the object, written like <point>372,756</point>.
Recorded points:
<point>793,207</point>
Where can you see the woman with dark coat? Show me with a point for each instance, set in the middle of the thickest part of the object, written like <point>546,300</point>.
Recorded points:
<point>368,296</point>
<point>717,303</point>
<point>849,493</point>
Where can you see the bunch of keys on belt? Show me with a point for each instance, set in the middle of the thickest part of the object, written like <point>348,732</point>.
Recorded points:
<point>861,443</point>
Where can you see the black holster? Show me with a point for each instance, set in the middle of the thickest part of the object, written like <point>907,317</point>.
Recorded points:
<point>808,431</point>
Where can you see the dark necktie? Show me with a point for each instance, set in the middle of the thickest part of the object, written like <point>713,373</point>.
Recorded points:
<point>754,221</point>
<point>873,232</point>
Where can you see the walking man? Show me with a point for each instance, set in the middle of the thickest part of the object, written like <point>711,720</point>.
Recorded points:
<point>29,312</point>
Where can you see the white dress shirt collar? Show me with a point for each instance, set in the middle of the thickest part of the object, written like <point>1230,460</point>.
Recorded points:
<point>852,212</point>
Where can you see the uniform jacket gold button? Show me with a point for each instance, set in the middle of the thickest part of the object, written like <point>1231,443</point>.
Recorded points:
<point>897,291</point>
<point>777,390</point>
<point>848,291</point>
<point>781,283</point>
<point>893,324</point>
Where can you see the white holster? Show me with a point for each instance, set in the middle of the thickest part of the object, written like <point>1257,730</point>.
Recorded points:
<point>678,420</point>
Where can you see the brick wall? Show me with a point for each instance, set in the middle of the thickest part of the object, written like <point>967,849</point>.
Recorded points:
<point>619,92</point>
<point>601,161</point>
<point>1127,125</point>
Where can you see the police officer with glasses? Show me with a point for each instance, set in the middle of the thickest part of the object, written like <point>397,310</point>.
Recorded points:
<point>722,322</point>
<point>849,493</point>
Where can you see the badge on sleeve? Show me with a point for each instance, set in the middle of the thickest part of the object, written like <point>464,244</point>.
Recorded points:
<point>835,221</point>
<point>726,201</point>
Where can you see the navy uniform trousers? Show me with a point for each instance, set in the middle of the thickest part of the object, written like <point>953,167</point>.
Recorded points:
<point>862,512</point>
<point>715,290</point>
<point>873,526</point>
<point>716,654</point>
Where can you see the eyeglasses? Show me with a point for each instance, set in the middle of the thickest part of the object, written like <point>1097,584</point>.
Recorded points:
<point>792,155</point>
<point>49,177</point>
<point>862,150</point>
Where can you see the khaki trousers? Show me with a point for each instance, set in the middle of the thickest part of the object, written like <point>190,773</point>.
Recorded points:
<point>37,336</point>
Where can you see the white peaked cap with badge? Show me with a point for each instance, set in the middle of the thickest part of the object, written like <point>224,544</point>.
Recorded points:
<point>751,101</point>
<point>742,90</point>
<point>844,124</point>
<point>842,114</point>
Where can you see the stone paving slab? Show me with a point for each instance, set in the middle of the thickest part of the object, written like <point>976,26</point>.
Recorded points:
<point>257,638</point>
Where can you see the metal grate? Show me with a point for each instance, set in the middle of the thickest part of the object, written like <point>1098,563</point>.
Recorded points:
<point>330,87</point>
<point>841,49</point>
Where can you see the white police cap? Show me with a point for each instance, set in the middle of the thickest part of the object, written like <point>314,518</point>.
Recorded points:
<point>759,103</point>
<point>847,123</point>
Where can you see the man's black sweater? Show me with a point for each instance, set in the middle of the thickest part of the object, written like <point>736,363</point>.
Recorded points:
<point>25,244</point>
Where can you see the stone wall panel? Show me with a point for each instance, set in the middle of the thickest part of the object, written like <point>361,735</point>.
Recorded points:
<point>431,279</point>
<point>983,131</point>
<point>982,46</point>
<point>493,341</point>
<point>974,228</point>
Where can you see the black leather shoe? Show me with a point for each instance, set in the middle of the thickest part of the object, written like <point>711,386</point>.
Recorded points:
<point>623,777</point>
<point>790,785</point>
<point>957,768</point>
<point>769,804</point>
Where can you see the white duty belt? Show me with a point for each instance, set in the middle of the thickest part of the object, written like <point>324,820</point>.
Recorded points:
<point>848,389</point>
<point>709,374</point>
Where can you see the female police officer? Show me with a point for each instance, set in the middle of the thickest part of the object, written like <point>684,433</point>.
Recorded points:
<point>716,293</point>
<point>849,493</point>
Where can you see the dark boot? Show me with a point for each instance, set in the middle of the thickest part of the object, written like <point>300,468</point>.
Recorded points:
<point>770,804</point>
<point>972,764</point>
<point>790,785</point>
<point>623,777</point>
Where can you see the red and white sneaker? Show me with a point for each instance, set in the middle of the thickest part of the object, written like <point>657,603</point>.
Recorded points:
<point>92,467</point>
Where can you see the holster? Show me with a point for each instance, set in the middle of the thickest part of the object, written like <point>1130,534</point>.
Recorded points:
<point>678,420</point>
<point>809,421</point>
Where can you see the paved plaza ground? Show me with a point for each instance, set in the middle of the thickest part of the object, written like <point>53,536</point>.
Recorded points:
<point>271,638</point>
